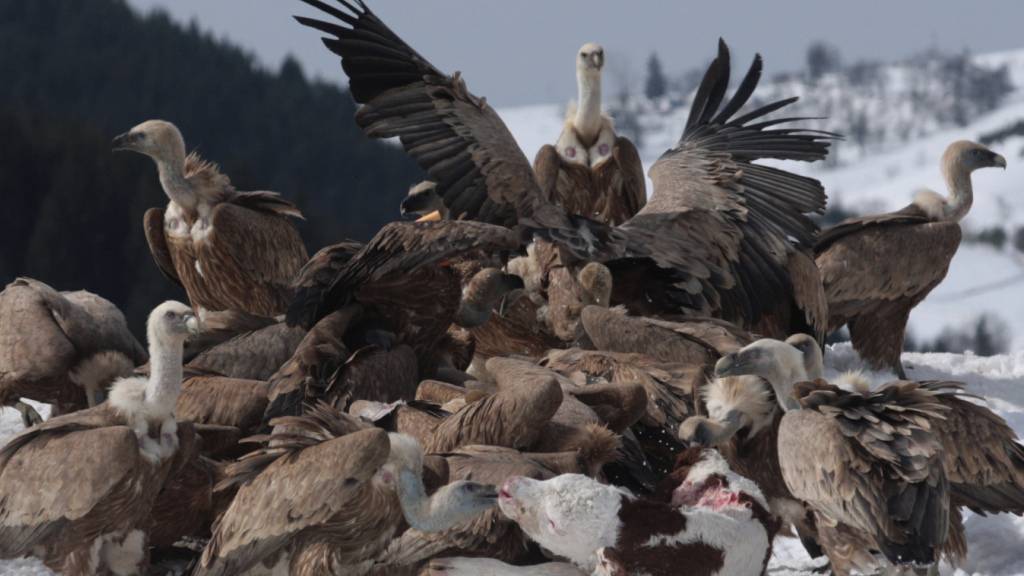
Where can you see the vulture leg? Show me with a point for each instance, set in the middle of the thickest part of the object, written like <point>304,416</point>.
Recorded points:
<point>877,335</point>
<point>29,416</point>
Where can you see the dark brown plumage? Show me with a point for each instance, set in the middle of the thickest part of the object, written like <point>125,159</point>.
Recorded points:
<point>250,354</point>
<point>876,269</point>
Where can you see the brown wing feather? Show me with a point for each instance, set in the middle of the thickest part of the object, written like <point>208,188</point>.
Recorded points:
<point>325,481</point>
<point>249,260</point>
<point>457,138</point>
<point>153,225</point>
<point>871,461</point>
<point>623,182</point>
<point>223,401</point>
<point>982,457</point>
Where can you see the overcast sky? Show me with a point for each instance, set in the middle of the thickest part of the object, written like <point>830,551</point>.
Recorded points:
<point>522,51</point>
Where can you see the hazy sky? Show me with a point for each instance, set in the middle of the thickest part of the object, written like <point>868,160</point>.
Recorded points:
<point>522,51</point>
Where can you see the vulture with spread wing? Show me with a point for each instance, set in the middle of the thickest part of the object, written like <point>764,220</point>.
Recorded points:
<point>876,269</point>
<point>720,236</point>
<point>230,250</point>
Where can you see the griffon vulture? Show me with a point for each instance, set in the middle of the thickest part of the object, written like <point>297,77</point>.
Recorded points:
<point>591,171</point>
<point>230,250</point>
<point>77,490</point>
<point>721,235</point>
<point>61,348</point>
<point>877,268</point>
<point>920,449</point>
<point>348,485</point>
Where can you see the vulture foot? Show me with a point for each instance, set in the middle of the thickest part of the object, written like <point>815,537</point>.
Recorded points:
<point>29,416</point>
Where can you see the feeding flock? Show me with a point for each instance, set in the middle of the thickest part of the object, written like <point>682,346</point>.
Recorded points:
<point>547,372</point>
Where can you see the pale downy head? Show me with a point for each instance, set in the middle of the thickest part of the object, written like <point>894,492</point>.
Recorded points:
<point>590,59</point>
<point>171,323</point>
<point>596,280</point>
<point>971,156</point>
<point>781,364</point>
<point>158,139</point>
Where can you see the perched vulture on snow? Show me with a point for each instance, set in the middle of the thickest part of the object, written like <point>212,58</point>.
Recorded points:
<point>877,268</point>
<point>720,236</point>
<point>230,250</point>
<point>591,171</point>
<point>61,348</point>
<point>886,468</point>
<point>77,490</point>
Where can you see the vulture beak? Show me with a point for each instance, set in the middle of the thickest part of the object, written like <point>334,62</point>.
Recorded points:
<point>999,161</point>
<point>509,300</point>
<point>192,324</point>
<point>124,141</point>
<point>728,365</point>
<point>488,492</point>
<point>432,217</point>
<point>597,60</point>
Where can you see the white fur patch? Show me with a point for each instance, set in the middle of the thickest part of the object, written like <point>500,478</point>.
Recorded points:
<point>853,381</point>
<point>128,396</point>
<point>124,556</point>
<point>571,515</point>
<point>174,221</point>
<point>933,204</point>
<point>712,462</point>
<point>745,394</point>
<point>732,530</point>
<point>570,148</point>
<point>601,151</point>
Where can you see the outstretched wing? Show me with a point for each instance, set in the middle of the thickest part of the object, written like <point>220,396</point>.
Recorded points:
<point>750,216</point>
<point>480,171</point>
<point>398,248</point>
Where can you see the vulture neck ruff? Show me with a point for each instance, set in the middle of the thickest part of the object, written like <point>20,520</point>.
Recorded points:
<point>588,112</point>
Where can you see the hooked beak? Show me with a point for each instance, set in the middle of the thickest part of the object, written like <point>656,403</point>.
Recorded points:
<point>192,323</point>
<point>124,141</point>
<point>729,365</point>
<point>999,161</point>
<point>597,60</point>
<point>488,492</point>
<point>432,217</point>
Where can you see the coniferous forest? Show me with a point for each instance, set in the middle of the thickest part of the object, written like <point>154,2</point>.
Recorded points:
<point>75,73</point>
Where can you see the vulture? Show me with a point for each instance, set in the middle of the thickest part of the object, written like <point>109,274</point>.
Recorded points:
<point>60,348</point>
<point>77,490</point>
<point>721,234</point>
<point>423,202</point>
<point>875,269</point>
<point>591,171</point>
<point>885,468</point>
<point>404,280</point>
<point>347,488</point>
<point>230,250</point>
<point>251,354</point>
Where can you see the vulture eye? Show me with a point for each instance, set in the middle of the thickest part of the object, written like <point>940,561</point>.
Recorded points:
<point>351,482</point>
<point>170,314</point>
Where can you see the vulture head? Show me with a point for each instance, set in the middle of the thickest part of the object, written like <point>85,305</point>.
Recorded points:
<point>158,139</point>
<point>596,280</point>
<point>171,323</point>
<point>451,504</point>
<point>782,364</point>
<point>590,59</point>
<point>967,156</point>
<point>423,201</point>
